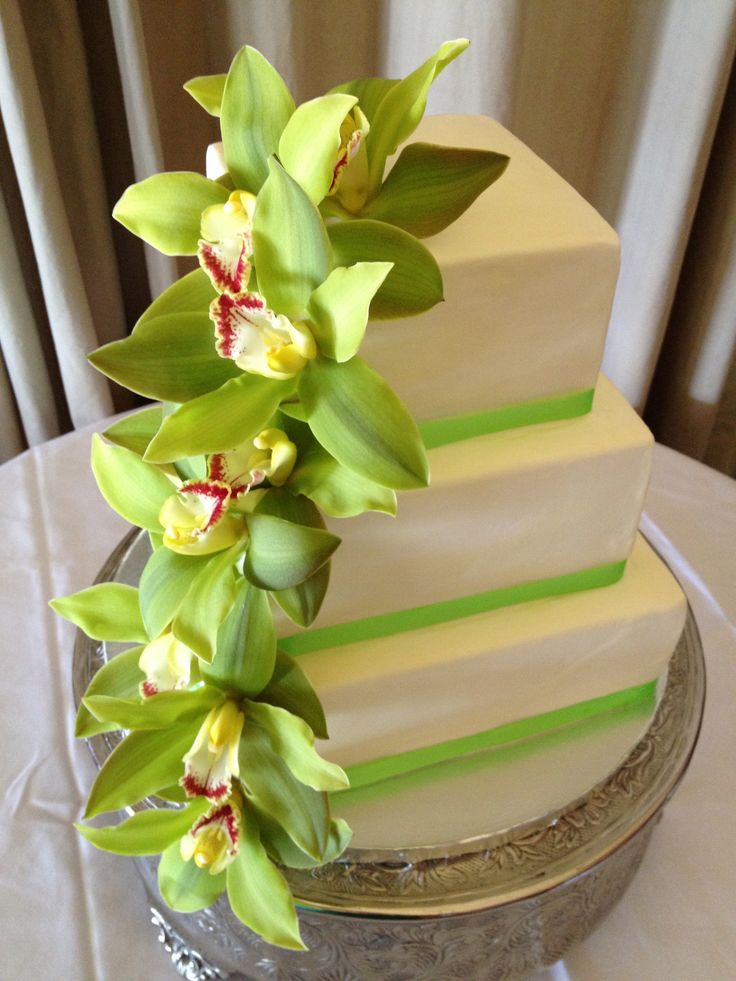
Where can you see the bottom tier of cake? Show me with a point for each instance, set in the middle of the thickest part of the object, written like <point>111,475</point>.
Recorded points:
<point>394,695</point>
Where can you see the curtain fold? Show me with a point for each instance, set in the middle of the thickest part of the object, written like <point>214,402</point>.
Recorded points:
<point>58,252</point>
<point>628,100</point>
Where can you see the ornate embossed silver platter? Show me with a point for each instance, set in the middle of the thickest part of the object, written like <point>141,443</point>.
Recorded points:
<point>493,902</point>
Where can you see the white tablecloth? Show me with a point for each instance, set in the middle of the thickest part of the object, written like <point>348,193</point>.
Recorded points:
<point>71,912</point>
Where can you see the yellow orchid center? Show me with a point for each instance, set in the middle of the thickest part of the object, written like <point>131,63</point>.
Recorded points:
<point>234,217</point>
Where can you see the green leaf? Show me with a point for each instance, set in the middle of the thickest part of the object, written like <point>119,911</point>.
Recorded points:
<point>207,603</point>
<point>338,309</point>
<point>142,764</point>
<point>370,92</point>
<point>290,689</point>
<point>160,711</point>
<point>192,293</point>
<point>302,602</point>
<point>164,583</point>
<point>310,142</point>
<point>363,424</point>
<point>165,210</point>
<point>135,431</point>
<point>246,644</point>
<point>170,358</point>
<point>258,893</point>
<point>281,554</point>
<point>207,91</point>
<point>302,812</point>
<point>282,849</point>
<point>293,740</point>
<point>184,886</point>
<point>106,611</point>
<point>256,105</point>
<point>294,410</point>
<point>132,487</point>
<point>221,420</point>
<point>290,245</point>
<point>415,282</point>
<point>399,112</point>
<point>337,490</point>
<point>119,677</point>
<point>430,186</point>
<point>147,832</point>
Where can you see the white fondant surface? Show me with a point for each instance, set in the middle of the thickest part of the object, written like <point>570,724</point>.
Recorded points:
<point>502,509</point>
<point>397,693</point>
<point>529,273</point>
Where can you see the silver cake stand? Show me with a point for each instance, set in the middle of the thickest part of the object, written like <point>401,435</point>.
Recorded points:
<point>442,880</point>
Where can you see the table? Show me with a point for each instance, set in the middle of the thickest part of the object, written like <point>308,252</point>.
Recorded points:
<point>78,914</point>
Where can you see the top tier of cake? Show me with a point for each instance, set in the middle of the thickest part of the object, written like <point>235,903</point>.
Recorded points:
<point>529,275</point>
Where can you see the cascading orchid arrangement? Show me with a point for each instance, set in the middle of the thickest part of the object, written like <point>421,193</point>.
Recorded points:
<point>265,418</point>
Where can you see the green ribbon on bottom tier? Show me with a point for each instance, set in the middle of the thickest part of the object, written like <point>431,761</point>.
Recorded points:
<point>374,771</point>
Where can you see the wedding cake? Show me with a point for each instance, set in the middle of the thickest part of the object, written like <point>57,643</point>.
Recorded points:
<point>505,594</point>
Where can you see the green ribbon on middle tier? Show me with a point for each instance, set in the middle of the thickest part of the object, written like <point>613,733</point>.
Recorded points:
<point>401,621</point>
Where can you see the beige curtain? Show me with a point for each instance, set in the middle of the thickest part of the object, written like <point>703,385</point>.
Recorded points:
<point>629,100</point>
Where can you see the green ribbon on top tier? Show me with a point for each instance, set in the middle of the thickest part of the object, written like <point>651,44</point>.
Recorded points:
<point>453,429</point>
<point>401,621</point>
<point>374,771</point>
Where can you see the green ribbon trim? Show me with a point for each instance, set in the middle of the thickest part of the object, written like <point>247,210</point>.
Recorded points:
<point>453,429</point>
<point>401,621</point>
<point>373,771</point>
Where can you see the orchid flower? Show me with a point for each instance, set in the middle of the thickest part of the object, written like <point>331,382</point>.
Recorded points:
<point>227,242</point>
<point>350,173</point>
<point>269,456</point>
<point>166,663</point>
<point>196,520</point>
<point>213,759</point>
<point>213,841</point>
<point>259,340</point>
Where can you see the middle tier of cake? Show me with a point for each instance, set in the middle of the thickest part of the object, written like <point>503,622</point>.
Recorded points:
<point>521,506</point>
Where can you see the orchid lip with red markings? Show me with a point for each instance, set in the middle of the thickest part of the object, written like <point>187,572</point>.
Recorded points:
<point>226,263</point>
<point>213,759</point>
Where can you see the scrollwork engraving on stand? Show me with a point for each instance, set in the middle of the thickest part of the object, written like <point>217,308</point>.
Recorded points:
<point>188,962</point>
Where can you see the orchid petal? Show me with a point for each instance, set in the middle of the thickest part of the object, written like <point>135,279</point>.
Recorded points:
<point>310,142</point>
